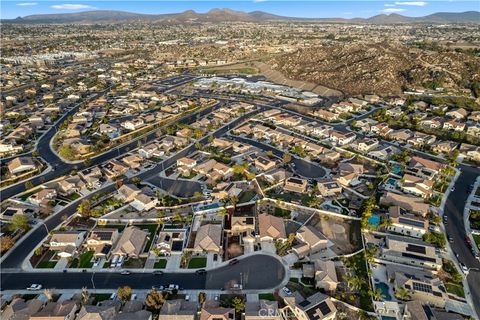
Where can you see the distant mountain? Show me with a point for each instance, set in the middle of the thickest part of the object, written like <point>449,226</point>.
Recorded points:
<point>225,15</point>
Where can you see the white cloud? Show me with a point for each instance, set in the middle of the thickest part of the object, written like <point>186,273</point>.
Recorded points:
<point>26,4</point>
<point>389,5</point>
<point>257,1</point>
<point>392,10</point>
<point>71,6</point>
<point>411,3</point>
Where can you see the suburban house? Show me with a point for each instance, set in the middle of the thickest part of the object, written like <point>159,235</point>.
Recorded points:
<point>242,222</point>
<point>21,309</point>
<point>407,223</point>
<point>271,228</point>
<point>186,162</point>
<point>311,241</point>
<point>114,168</point>
<point>417,186</point>
<point>410,251</point>
<point>318,306</point>
<point>42,197</point>
<point>408,202</point>
<point>329,188</point>
<point>323,272</point>
<point>178,309</point>
<point>457,113</point>
<point>209,238</point>
<point>101,240</point>
<point>128,192</point>
<point>418,310</point>
<point>21,165</point>
<point>171,241</point>
<point>294,184</point>
<point>66,242</point>
<point>425,168</point>
<point>262,310</point>
<point>212,311</point>
<point>277,175</point>
<point>143,202</point>
<point>64,310</point>
<point>264,164</point>
<point>131,242</point>
<point>69,185</point>
<point>423,286</point>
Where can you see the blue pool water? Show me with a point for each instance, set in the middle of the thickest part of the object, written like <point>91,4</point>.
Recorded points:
<point>374,220</point>
<point>385,290</point>
<point>391,181</point>
<point>397,169</point>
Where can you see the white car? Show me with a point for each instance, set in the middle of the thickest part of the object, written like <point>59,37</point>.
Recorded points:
<point>35,287</point>
<point>120,261</point>
<point>286,291</point>
<point>133,297</point>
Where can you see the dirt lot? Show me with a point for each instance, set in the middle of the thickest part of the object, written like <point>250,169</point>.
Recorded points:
<point>345,234</point>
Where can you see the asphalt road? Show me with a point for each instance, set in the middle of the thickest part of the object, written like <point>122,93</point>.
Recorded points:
<point>455,228</point>
<point>250,268</point>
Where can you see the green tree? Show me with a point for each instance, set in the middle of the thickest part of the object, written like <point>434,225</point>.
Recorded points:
<point>238,304</point>
<point>202,297</point>
<point>6,243</point>
<point>403,294</point>
<point>377,294</point>
<point>66,152</point>
<point>124,293</point>
<point>29,185</point>
<point>19,221</point>
<point>154,301</point>
<point>85,208</point>
<point>287,158</point>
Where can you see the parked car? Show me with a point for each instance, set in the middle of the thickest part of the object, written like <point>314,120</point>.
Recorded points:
<point>158,288</point>
<point>113,264</point>
<point>96,262</point>
<point>158,272</point>
<point>133,297</point>
<point>286,291</point>
<point>113,296</point>
<point>450,239</point>
<point>173,287</point>
<point>120,261</point>
<point>35,287</point>
<point>232,262</point>
<point>126,272</point>
<point>201,271</point>
<point>464,267</point>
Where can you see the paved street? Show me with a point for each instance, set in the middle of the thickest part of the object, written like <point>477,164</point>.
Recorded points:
<point>454,208</point>
<point>249,267</point>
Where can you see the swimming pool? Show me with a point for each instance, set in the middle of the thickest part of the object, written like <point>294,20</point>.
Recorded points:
<point>385,290</point>
<point>374,220</point>
<point>391,181</point>
<point>397,169</point>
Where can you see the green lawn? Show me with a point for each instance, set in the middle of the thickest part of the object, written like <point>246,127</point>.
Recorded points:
<point>247,196</point>
<point>99,297</point>
<point>455,289</point>
<point>73,196</point>
<point>196,263</point>
<point>46,264</point>
<point>476,237</point>
<point>28,194</point>
<point>160,264</point>
<point>266,296</point>
<point>84,261</point>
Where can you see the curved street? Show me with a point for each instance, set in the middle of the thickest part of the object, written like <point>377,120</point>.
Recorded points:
<point>249,268</point>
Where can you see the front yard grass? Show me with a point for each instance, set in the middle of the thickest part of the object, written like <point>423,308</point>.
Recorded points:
<point>247,196</point>
<point>28,194</point>
<point>455,289</point>
<point>46,264</point>
<point>84,261</point>
<point>134,263</point>
<point>160,264</point>
<point>197,262</point>
<point>476,238</point>
<point>266,296</point>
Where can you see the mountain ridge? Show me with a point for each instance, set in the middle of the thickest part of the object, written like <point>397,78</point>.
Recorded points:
<point>226,15</point>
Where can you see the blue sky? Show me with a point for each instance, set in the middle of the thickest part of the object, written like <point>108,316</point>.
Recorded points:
<point>318,9</point>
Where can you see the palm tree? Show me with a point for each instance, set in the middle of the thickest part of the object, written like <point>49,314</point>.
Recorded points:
<point>234,201</point>
<point>355,283</point>
<point>223,212</point>
<point>85,296</point>
<point>370,253</point>
<point>385,223</point>
<point>403,294</point>
<point>377,294</point>
<point>49,294</point>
